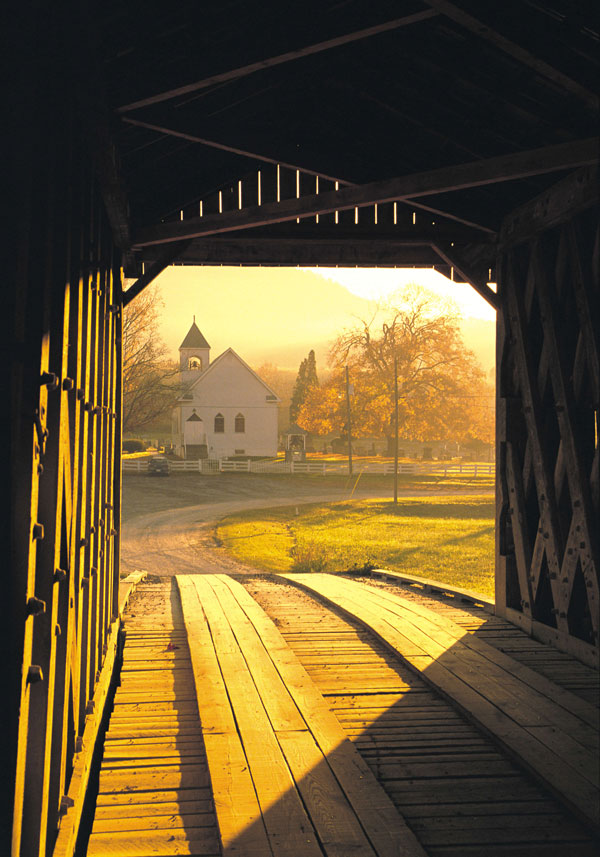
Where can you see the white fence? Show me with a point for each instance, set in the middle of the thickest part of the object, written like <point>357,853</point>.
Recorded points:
<point>210,465</point>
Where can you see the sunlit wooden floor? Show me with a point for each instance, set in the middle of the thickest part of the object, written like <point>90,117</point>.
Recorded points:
<point>259,720</point>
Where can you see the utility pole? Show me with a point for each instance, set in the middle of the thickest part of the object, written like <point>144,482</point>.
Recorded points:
<point>349,423</point>
<point>395,431</point>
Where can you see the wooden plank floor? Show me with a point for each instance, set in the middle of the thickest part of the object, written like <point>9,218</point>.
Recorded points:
<point>256,720</point>
<point>562,669</point>
<point>551,731</point>
<point>458,791</point>
<point>154,798</point>
<point>286,779</point>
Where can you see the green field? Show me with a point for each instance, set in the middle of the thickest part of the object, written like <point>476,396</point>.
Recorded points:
<point>448,539</point>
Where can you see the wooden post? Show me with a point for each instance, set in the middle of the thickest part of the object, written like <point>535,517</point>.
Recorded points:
<point>395,430</point>
<point>348,414</point>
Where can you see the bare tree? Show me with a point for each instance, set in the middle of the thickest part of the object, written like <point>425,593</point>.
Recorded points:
<point>149,377</point>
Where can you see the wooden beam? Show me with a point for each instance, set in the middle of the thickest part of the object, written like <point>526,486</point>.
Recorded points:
<point>308,252</point>
<point>569,196</point>
<point>539,66</point>
<point>192,138</point>
<point>213,144</point>
<point>481,288</point>
<point>444,180</point>
<point>289,56</point>
<point>156,268</point>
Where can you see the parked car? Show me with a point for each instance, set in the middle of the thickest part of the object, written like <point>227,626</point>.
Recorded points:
<point>158,466</point>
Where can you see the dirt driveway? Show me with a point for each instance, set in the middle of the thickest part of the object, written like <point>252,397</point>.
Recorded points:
<point>168,522</point>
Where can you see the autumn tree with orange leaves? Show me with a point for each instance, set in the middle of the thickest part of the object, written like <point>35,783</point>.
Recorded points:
<point>442,389</point>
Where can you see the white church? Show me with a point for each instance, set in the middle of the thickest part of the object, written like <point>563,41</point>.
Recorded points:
<point>224,409</point>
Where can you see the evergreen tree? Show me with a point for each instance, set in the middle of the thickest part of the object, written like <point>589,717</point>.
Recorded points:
<point>306,380</point>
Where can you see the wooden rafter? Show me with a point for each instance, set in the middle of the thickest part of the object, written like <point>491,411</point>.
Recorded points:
<point>450,257</point>
<point>444,180</point>
<point>544,69</point>
<point>156,268</point>
<point>270,62</point>
<point>192,138</point>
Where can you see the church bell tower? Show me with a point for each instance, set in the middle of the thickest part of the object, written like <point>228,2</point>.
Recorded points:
<point>194,355</point>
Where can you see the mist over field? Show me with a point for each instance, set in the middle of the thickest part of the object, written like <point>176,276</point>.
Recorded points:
<point>278,314</point>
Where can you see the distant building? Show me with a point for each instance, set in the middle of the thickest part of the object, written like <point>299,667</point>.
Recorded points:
<point>225,408</point>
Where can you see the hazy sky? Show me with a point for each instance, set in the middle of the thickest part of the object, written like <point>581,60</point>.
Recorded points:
<point>376,283</point>
<point>278,314</point>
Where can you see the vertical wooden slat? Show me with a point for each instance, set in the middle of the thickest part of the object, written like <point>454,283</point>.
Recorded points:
<point>59,325</point>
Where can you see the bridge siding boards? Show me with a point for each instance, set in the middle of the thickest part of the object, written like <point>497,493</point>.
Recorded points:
<point>456,790</point>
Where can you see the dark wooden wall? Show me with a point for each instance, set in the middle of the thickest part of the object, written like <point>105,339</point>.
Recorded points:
<point>60,450</point>
<point>548,387</point>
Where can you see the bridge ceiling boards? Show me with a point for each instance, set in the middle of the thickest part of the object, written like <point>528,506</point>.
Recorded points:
<point>230,107</point>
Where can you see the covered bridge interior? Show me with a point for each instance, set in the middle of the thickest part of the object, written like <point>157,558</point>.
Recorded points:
<point>455,135</point>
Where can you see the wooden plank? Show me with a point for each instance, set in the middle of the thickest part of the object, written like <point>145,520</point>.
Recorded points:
<point>154,845</point>
<point>447,179</point>
<point>467,595</point>
<point>339,830</point>
<point>131,812</point>
<point>238,811</point>
<point>171,821</point>
<point>288,826</point>
<point>163,778</point>
<point>558,772</point>
<point>562,699</point>
<point>130,801</point>
<point>379,818</point>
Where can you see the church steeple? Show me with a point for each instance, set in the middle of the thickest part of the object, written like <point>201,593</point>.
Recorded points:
<point>194,354</point>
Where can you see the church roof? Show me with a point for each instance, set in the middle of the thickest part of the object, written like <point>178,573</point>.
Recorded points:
<point>214,366</point>
<point>194,338</point>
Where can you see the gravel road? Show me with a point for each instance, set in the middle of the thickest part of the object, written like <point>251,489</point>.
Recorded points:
<point>168,523</point>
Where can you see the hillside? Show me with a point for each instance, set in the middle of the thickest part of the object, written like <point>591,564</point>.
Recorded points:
<point>274,315</point>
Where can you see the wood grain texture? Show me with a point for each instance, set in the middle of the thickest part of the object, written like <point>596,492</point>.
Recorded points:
<point>502,703</point>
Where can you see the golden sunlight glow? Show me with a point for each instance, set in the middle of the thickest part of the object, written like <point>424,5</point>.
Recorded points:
<point>277,314</point>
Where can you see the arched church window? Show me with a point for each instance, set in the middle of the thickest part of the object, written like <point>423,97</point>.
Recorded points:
<point>219,424</point>
<point>240,424</point>
<point>195,363</point>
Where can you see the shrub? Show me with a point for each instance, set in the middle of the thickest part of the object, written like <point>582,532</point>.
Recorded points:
<point>309,557</point>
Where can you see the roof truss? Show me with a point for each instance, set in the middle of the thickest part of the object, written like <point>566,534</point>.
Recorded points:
<point>270,62</point>
<point>483,31</point>
<point>475,174</point>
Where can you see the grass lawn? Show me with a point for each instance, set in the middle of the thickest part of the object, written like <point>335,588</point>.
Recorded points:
<point>449,539</point>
